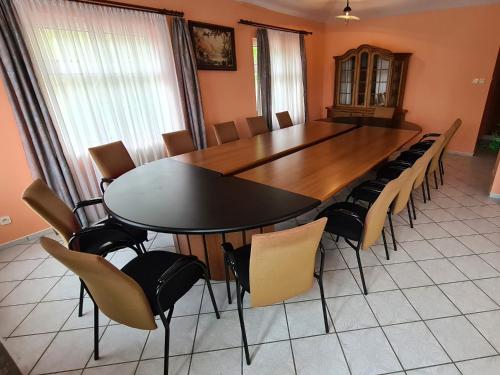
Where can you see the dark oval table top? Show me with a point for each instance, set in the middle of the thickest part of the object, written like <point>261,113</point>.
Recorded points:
<point>174,197</point>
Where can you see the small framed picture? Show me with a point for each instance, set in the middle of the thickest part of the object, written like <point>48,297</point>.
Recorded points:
<point>214,46</point>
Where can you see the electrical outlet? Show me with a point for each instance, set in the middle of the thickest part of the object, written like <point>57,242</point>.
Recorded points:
<point>5,220</point>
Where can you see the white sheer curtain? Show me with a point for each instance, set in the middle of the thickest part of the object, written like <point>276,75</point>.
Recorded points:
<point>287,89</point>
<point>107,74</point>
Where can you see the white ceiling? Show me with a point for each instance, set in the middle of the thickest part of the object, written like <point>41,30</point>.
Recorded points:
<point>326,10</point>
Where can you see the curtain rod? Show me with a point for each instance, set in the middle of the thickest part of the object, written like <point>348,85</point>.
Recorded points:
<point>116,4</point>
<point>265,26</point>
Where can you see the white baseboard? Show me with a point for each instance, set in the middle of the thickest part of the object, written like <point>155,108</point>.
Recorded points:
<point>461,153</point>
<point>494,195</point>
<point>28,238</point>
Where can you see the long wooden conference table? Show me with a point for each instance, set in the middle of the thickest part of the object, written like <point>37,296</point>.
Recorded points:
<point>232,191</point>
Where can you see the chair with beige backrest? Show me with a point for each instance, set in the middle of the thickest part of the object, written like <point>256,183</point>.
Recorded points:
<point>226,132</point>
<point>112,160</point>
<point>383,112</point>
<point>354,222</point>
<point>284,120</point>
<point>277,266</point>
<point>101,238</point>
<point>178,142</point>
<point>257,125</point>
<point>147,286</point>
<point>407,158</point>
<point>428,139</point>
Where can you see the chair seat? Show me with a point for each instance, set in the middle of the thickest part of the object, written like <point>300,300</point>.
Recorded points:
<point>107,238</point>
<point>367,191</point>
<point>391,171</point>
<point>345,219</point>
<point>147,268</point>
<point>423,145</point>
<point>242,265</point>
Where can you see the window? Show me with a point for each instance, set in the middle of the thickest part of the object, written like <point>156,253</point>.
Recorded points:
<point>107,74</point>
<point>256,75</point>
<point>287,87</point>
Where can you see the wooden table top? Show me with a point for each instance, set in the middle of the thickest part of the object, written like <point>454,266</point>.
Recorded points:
<point>234,157</point>
<point>323,170</point>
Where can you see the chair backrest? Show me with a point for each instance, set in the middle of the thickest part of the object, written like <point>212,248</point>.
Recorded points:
<point>51,208</point>
<point>425,159</point>
<point>257,125</point>
<point>112,159</point>
<point>284,120</point>
<point>452,131</point>
<point>282,263</point>
<point>375,218</point>
<point>116,294</point>
<point>383,112</point>
<point>178,142</point>
<point>407,186</point>
<point>441,144</point>
<point>226,132</point>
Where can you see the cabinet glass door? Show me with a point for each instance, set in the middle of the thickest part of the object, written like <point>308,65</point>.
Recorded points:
<point>346,81</point>
<point>380,81</point>
<point>363,78</point>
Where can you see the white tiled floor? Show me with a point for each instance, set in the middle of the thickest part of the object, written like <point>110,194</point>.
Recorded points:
<point>433,308</point>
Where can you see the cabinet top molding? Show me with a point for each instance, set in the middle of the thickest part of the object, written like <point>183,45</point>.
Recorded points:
<point>371,49</point>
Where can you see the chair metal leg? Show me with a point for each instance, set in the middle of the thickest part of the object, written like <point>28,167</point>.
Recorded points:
<point>428,187</point>
<point>242,322</point>
<point>228,285</point>
<point>96,332</point>
<point>436,180</point>
<point>409,214</point>
<point>80,304</point>
<point>365,291</point>
<point>386,248</point>
<point>319,279</point>
<point>389,214</point>
<point>166,324</point>
<point>337,239</point>
<point>423,193</point>
<point>441,171</point>
<point>413,206</point>
<point>211,292</point>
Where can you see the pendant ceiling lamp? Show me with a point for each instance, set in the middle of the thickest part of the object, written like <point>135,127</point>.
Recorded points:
<point>347,16</point>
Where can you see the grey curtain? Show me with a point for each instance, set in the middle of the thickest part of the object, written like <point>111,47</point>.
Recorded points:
<point>304,72</point>
<point>185,62</point>
<point>264,73</point>
<point>38,134</point>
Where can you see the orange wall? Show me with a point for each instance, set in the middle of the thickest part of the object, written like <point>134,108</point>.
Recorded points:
<point>226,96</point>
<point>14,177</point>
<point>450,48</point>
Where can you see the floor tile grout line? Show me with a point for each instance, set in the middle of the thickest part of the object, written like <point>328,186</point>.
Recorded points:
<point>196,329</point>
<point>53,339</point>
<point>377,320</point>
<point>290,338</point>
<point>462,313</point>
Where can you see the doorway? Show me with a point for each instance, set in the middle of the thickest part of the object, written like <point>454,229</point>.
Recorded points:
<point>488,140</point>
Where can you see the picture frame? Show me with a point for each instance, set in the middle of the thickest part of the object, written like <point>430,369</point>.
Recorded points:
<point>214,46</point>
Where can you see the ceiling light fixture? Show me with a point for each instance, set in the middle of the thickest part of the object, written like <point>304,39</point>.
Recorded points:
<point>347,16</point>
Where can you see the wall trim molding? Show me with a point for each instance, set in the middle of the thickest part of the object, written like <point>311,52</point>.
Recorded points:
<point>29,238</point>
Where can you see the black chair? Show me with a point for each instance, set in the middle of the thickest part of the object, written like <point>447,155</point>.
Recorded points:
<point>146,287</point>
<point>102,238</point>
<point>363,225</point>
<point>277,266</point>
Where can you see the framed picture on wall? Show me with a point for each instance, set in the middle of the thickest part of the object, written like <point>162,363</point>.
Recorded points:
<point>213,45</point>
